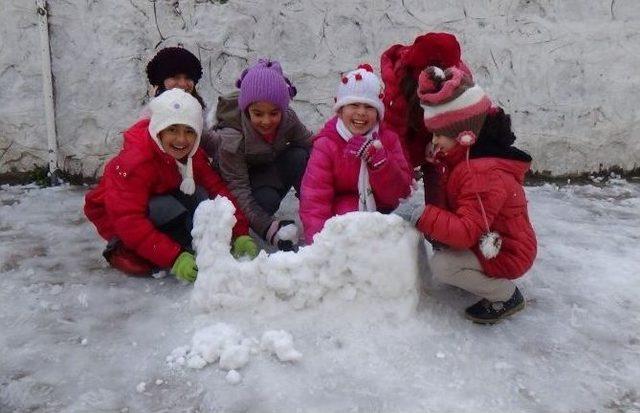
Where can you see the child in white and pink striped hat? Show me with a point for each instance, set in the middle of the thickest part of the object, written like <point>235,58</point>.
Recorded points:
<point>485,225</point>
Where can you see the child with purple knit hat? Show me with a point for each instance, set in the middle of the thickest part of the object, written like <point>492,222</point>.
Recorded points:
<point>261,148</point>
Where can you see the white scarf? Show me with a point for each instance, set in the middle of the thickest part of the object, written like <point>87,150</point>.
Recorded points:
<point>366,201</point>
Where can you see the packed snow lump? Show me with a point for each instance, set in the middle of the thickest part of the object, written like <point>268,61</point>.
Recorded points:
<point>361,260</point>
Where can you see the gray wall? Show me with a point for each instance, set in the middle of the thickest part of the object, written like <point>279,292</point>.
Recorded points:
<point>565,69</point>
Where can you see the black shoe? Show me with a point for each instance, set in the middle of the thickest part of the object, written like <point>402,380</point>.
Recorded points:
<point>487,312</point>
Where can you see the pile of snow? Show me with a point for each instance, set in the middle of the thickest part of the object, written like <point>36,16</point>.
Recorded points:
<point>365,262</point>
<point>362,267</point>
<point>224,344</point>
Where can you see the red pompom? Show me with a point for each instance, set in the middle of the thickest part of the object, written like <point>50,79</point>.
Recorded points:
<point>358,76</point>
<point>366,66</point>
<point>345,80</point>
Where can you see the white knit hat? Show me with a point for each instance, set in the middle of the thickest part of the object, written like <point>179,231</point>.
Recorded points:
<point>177,107</point>
<point>360,86</point>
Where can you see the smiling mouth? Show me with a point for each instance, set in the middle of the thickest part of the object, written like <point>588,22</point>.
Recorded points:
<point>179,148</point>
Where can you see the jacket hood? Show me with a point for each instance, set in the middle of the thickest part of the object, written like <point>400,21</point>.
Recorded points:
<point>137,134</point>
<point>517,169</point>
<point>228,112</point>
<point>139,143</point>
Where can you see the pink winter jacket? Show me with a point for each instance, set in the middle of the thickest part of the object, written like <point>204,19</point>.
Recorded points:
<point>330,183</point>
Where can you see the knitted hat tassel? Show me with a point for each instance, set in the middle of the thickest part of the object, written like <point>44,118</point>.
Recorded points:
<point>490,241</point>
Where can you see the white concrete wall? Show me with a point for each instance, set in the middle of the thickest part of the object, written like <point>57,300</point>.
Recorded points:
<point>566,69</point>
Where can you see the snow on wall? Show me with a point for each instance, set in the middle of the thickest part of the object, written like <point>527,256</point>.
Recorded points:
<point>565,69</point>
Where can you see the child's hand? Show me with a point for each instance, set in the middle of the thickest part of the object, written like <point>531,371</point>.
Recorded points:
<point>375,155</point>
<point>185,268</point>
<point>244,246</point>
<point>357,146</point>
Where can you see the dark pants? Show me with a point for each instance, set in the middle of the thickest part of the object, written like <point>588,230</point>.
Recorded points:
<point>173,214</point>
<point>288,169</point>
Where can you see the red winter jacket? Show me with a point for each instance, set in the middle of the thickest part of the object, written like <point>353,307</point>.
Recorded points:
<point>330,183</point>
<point>118,205</point>
<point>499,182</point>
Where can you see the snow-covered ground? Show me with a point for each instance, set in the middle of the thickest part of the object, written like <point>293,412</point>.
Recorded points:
<point>76,336</point>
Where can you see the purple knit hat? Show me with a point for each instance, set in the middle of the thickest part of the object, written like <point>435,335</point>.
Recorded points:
<point>265,81</point>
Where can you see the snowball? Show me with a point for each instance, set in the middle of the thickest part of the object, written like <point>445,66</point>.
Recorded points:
<point>211,341</point>
<point>233,377</point>
<point>289,232</point>
<point>141,387</point>
<point>196,362</point>
<point>234,357</point>
<point>281,343</point>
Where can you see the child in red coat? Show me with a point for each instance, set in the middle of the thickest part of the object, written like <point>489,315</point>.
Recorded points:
<point>146,198</point>
<point>485,222</point>
<point>355,164</point>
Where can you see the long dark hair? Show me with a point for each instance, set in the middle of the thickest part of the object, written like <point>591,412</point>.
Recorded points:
<point>414,121</point>
<point>496,139</point>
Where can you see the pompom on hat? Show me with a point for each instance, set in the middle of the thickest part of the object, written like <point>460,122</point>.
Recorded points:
<point>172,61</point>
<point>360,86</point>
<point>177,107</point>
<point>265,82</point>
<point>453,105</point>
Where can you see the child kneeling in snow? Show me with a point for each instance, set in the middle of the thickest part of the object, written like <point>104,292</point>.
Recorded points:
<point>355,164</point>
<point>486,222</point>
<point>146,198</point>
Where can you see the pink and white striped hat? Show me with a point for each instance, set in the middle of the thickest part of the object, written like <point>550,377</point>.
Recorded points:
<point>453,105</point>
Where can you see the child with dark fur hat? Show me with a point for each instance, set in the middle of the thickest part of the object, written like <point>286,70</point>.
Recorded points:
<point>485,222</point>
<point>175,67</point>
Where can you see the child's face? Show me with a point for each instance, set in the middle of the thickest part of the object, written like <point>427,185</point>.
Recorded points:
<point>265,117</point>
<point>443,143</point>
<point>178,140</point>
<point>359,118</point>
<point>181,81</point>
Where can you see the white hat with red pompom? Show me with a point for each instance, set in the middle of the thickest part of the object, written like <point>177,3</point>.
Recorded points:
<point>360,86</point>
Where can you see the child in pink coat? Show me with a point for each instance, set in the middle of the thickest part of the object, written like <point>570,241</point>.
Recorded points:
<point>355,164</point>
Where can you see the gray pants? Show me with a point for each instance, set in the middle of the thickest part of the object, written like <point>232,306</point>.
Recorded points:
<point>462,269</point>
<point>271,183</point>
<point>173,214</point>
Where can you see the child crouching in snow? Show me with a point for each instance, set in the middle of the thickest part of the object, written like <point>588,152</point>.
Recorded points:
<point>146,198</point>
<point>486,223</point>
<point>355,164</point>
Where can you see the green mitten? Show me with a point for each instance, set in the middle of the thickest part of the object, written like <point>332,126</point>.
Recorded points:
<point>184,268</point>
<point>245,246</point>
